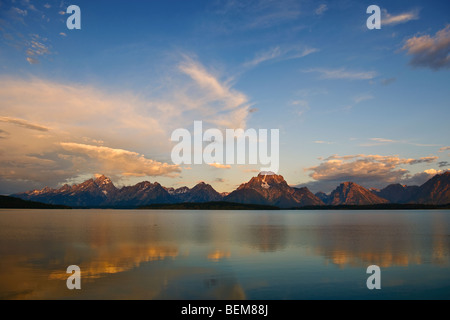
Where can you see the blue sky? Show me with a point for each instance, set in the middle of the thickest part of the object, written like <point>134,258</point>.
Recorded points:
<point>371,106</point>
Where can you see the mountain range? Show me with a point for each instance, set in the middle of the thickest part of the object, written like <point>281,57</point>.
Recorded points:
<point>264,189</point>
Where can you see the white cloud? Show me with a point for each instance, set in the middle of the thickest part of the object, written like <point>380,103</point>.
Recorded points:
<point>256,14</point>
<point>321,9</point>
<point>301,106</point>
<point>278,53</point>
<point>212,96</point>
<point>383,140</point>
<point>342,73</point>
<point>20,11</point>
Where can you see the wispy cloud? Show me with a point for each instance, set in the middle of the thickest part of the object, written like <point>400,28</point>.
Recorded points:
<point>277,53</point>
<point>212,95</point>
<point>357,100</point>
<point>362,97</point>
<point>23,123</point>
<point>20,11</point>
<point>383,141</point>
<point>32,60</point>
<point>342,73</point>
<point>444,149</point>
<point>321,9</point>
<point>388,81</point>
<point>301,106</point>
<point>219,165</point>
<point>257,14</point>
<point>389,19</point>
<point>443,164</point>
<point>428,51</point>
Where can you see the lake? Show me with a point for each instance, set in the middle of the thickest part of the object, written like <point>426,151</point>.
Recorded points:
<point>182,254</point>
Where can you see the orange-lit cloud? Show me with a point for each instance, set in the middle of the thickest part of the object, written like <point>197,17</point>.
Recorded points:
<point>369,170</point>
<point>389,19</point>
<point>429,51</point>
<point>53,131</point>
<point>124,162</point>
<point>220,166</point>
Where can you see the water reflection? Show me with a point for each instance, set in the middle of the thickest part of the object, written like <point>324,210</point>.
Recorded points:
<point>207,255</point>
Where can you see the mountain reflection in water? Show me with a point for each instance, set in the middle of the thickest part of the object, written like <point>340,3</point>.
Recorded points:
<point>132,254</point>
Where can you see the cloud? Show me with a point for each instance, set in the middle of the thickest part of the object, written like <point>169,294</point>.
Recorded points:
<point>388,19</point>
<point>442,164</point>
<point>118,161</point>
<point>388,81</point>
<point>23,123</point>
<point>420,178</point>
<point>63,34</point>
<point>342,73</point>
<point>40,115</point>
<point>254,14</point>
<point>219,165</point>
<point>428,51</point>
<point>363,97</point>
<point>321,9</point>
<point>367,170</point>
<point>3,134</point>
<point>210,95</point>
<point>21,28</point>
<point>36,47</point>
<point>301,106</point>
<point>20,11</point>
<point>322,142</point>
<point>62,12</point>
<point>32,60</point>
<point>444,149</point>
<point>265,56</point>
<point>383,140</point>
<point>220,180</point>
<point>47,6</point>
<point>277,53</point>
<point>357,100</point>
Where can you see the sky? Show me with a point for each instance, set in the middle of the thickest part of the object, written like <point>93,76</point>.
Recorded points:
<point>350,104</point>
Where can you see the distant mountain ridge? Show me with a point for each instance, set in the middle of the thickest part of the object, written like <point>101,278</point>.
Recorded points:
<point>264,189</point>
<point>350,193</point>
<point>272,190</point>
<point>101,192</point>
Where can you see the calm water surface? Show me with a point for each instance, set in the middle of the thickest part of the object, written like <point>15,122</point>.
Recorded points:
<point>139,254</point>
